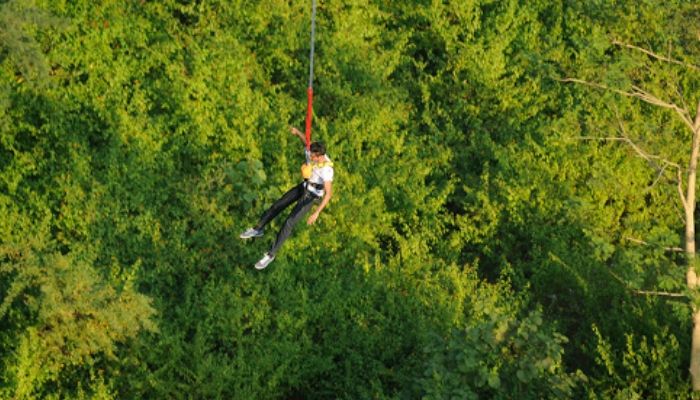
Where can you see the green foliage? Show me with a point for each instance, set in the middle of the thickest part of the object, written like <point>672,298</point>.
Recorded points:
<point>487,237</point>
<point>499,354</point>
<point>19,23</point>
<point>642,368</point>
<point>70,317</point>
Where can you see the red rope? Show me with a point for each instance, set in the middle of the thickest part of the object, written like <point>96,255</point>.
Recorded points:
<point>310,90</point>
<point>309,111</point>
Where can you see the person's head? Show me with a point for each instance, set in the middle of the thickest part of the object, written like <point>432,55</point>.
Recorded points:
<point>317,149</point>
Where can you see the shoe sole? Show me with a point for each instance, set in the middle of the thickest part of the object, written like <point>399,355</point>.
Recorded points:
<point>249,237</point>
<point>260,267</point>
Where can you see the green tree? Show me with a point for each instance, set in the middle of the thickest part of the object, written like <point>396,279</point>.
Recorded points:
<point>20,21</point>
<point>652,116</point>
<point>159,130</point>
<point>63,318</point>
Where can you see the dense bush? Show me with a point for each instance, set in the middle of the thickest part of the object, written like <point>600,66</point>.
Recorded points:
<point>492,234</point>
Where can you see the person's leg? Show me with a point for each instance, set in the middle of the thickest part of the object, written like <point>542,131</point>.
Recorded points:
<point>302,207</point>
<point>283,202</point>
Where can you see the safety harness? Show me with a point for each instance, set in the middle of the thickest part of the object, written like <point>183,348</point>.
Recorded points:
<point>307,171</point>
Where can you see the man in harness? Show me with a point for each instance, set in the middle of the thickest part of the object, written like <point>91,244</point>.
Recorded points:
<point>317,185</point>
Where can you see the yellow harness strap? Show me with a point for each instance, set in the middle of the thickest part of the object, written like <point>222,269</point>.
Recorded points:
<point>322,164</point>
<point>307,169</point>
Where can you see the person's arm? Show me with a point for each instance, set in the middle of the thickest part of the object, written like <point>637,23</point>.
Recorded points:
<point>328,187</point>
<point>296,132</point>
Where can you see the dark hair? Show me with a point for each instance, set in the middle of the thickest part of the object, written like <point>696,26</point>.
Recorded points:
<point>318,148</point>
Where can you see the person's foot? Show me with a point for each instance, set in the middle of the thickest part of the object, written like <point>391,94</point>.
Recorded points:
<point>251,233</point>
<point>265,261</point>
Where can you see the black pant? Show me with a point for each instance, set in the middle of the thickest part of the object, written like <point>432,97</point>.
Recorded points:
<point>304,201</point>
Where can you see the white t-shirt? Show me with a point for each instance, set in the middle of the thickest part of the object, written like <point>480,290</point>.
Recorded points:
<point>320,174</point>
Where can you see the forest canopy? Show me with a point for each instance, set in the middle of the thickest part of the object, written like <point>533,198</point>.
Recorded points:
<point>512,218</point>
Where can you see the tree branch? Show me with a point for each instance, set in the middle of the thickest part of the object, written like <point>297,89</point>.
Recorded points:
<point>658,177</point>
<point>649,158</point>
<point>661,294</point>
<point>646,292</point>
<point>641,94</point>
<point>680,190</point>
<point>558,260</point>
<point>679,92</point>
<point>640,241</point>
<point>651,99</point>
<point>654,55</point>
<point>637,149</point>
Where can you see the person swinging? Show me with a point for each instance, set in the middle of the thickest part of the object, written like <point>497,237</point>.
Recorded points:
<point>317,186</point>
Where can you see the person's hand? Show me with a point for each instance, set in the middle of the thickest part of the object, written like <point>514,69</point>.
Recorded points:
<point>312,218</point>
<point>295,131</point>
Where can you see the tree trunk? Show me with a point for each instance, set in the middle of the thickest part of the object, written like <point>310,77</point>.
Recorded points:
<point>695,351</point>
<point>691,277</point>
<point>689,203</point>
<point>691,274</point>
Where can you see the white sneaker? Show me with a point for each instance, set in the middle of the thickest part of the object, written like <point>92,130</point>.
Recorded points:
<point>264,262</point>
<point>251,233</point>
